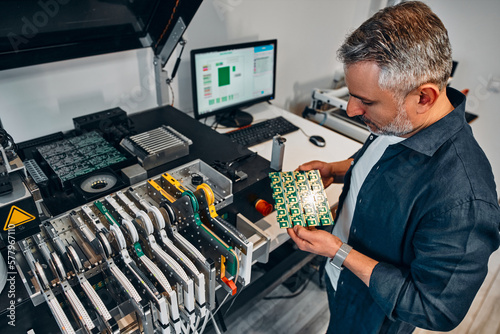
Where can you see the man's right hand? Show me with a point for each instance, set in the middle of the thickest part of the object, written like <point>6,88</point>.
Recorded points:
<point>331,172</point>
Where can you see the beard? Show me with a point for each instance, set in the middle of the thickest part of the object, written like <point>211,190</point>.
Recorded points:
<point>399,126</point>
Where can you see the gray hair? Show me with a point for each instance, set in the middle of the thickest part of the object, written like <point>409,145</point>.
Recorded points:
<point>408,42</point>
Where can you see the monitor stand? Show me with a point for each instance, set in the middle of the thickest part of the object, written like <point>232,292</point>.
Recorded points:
<point>234,119</point>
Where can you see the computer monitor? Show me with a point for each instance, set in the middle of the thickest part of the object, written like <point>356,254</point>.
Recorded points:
<point>226,78</point>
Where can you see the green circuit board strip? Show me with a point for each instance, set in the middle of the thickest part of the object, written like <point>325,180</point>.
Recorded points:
<point>300,199</point>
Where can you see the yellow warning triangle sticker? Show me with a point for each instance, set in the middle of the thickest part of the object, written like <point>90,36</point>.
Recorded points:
<point>17,217</point>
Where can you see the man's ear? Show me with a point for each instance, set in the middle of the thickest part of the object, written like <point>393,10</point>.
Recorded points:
<point>428,95</point>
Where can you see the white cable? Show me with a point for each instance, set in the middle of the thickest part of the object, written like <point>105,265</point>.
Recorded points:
<point>215,323</point>
<point>205,322</point>
<point>210,314</point>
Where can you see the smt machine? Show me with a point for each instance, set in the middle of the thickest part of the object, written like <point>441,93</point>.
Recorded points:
<point>147,258</point>
<point>142,257</point>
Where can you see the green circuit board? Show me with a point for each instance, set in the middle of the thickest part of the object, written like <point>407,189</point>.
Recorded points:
<point>76,156</point>
<point>300,199</point>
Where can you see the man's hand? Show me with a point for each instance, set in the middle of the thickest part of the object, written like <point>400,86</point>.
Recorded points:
<point>315,241</point>
<point>326,244</point>
<point>332,172</point>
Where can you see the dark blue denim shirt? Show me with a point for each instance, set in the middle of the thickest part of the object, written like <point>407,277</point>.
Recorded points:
<point>428,212</point>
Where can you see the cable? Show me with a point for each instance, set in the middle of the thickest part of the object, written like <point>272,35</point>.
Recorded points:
<point>202,329</point>
<point>302,289</point>
<point>5,139</point>
<point>205,321</point>
<point>168,24</point>
<point>194,327</point>
<point>171,91</point>
<point>215,124</point>
<point>215,324</point>
<point>174,71</point>
<point>305,134</point>
<point>232,302</point>
<point>325,116</point>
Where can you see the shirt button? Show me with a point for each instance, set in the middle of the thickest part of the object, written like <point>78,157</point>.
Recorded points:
<point>352,162</point>
<point>371,137</point>
<point>378,167</point>
<point>354,231</point>
<point>360,200</point>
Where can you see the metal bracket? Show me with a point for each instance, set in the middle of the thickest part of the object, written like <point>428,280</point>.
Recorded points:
<point>161,76</point>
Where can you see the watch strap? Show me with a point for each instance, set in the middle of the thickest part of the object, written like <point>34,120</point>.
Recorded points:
<point>340,256</point>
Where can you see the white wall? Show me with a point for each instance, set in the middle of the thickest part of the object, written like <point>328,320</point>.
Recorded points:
<point>43,99</point>
<point>473,27</point>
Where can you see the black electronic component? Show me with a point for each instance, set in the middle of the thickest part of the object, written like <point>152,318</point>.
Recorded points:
<point>262,131</point>
<point>196,179</point>
<point>112,124</point>
<point>27,149</point>
<point>5,184</point>
<point>100,120</point>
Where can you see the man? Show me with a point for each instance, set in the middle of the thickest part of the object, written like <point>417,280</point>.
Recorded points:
<point>418,217</point>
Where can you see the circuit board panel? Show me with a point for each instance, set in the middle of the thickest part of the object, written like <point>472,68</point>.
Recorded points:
<point>70,158</point>
<point>300,199</point>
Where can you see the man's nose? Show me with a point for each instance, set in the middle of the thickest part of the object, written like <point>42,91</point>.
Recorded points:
<point>354,108</point>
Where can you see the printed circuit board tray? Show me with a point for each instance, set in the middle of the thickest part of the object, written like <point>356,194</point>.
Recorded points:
<point>300,199</point>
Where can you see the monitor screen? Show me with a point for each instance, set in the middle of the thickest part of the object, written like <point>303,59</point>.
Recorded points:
<point>229,77</point>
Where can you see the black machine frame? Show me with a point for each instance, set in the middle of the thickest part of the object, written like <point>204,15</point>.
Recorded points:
<point>34,32</point>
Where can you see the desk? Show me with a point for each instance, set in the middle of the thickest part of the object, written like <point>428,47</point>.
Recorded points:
<point>298,149</point>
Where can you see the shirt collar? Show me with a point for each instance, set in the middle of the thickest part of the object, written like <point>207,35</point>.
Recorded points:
<point>428,140</point>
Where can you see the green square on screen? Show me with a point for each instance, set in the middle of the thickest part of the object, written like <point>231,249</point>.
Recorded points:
<point>224,76</point>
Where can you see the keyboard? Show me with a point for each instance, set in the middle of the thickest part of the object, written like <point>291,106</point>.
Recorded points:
<point>260,132</point>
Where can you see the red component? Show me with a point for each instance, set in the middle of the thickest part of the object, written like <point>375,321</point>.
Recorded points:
<point>230,284</point>
<point>263,207</point>
<point>240,128</point>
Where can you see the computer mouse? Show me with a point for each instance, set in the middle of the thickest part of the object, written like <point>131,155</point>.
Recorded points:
<point>317,140</point>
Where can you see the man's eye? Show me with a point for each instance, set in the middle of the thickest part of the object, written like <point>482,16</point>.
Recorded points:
<point>366,103</point>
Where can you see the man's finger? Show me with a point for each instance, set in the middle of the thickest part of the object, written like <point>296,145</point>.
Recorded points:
<point>301,243</point>
<point>302,233</point>
<point>315,164</point>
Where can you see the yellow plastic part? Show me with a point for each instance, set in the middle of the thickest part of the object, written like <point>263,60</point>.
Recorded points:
<point>209,194</point>
<point>174,182</point>
<point>162,191</point>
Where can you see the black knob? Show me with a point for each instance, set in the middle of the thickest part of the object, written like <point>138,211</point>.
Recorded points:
<point>196,179</point>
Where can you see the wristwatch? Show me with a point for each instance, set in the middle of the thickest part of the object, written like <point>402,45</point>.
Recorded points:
<point>340,256</point>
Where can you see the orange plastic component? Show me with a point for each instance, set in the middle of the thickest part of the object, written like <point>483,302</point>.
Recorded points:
<point>263,207</point>
<point>230,284</point>
<point>222,266</point>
